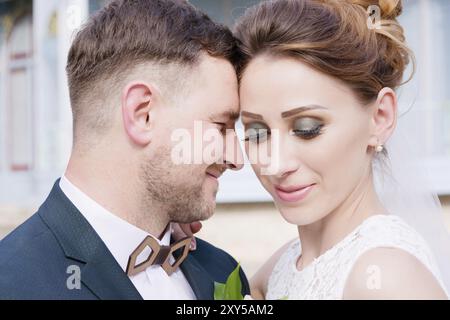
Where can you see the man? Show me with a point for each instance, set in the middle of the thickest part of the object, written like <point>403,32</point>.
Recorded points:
<point>138,71</point>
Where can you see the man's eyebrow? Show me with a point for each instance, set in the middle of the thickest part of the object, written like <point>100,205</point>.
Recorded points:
<point>233,115</point>
<point>298,110</point>
<point>252,115</point>
<point>230,115</point>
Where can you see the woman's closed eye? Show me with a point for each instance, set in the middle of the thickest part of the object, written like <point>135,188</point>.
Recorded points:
<point>307,128</point>
<point>256,133</point>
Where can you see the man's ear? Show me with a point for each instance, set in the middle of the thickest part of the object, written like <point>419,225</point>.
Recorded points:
<point>138,99</point>
<point>384,117</point>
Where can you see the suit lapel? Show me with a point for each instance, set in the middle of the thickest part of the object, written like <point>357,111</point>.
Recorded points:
<point>199,279</point>
<point>101,273</point>
<point>106,279</point>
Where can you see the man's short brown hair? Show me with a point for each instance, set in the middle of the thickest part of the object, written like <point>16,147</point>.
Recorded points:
<point>126,33</point>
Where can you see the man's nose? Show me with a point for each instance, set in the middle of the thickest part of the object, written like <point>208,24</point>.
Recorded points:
<point>233,157</point>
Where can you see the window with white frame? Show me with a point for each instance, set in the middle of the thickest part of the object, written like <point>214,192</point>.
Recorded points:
<point>19,96</point>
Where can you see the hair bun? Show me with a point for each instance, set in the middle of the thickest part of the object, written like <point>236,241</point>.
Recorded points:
<point>390,9</point>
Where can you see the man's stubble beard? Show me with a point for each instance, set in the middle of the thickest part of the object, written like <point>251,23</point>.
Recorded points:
<point>173,189</point>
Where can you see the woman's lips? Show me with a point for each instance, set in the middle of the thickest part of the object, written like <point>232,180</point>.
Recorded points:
<point>294,193</point>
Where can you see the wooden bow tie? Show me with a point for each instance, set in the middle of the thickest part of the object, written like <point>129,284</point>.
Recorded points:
<point>159,255</point>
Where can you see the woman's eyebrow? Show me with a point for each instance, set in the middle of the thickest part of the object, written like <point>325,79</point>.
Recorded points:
<point>298,110</point>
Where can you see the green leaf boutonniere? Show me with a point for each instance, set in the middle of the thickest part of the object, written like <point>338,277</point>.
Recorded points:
<point>232,289</point>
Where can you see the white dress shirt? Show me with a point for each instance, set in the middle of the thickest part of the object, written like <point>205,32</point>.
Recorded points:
<point>122,238</point>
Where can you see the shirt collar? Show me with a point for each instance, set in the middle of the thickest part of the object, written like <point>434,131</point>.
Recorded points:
<point>119,236</point>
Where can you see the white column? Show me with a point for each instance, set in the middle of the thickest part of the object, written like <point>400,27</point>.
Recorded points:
<point>53,117</point>
<point>72,14</point>
<point>2,106</point>
<point>44,95</point>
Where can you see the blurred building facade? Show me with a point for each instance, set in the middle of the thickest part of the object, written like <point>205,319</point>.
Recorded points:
<point>35,116</point>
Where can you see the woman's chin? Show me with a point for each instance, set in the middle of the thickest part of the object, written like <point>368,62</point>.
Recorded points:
<point>298,217</point>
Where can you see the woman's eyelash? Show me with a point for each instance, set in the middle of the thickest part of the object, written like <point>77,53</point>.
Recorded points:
<point>308,134</point>
<point>261,134</point>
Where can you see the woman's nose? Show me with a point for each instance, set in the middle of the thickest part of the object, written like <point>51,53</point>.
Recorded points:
<point>284,156</point>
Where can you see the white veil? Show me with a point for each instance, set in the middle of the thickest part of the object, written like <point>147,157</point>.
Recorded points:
<point>404,188</point>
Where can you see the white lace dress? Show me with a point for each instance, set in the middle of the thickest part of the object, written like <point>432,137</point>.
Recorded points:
<point>326,276</point>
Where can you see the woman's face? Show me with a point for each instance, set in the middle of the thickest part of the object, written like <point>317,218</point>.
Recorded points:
<point>316,134</point>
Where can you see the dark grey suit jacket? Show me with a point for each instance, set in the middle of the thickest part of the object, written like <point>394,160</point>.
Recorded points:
<point>35,257</point>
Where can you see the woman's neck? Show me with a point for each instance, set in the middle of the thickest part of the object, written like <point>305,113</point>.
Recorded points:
<point>322,235</point>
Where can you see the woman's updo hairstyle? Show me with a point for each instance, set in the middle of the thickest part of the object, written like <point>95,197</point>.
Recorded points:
<point>363,48</point>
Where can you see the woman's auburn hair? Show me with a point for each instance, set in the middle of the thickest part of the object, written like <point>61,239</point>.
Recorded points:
<point>332,36</point>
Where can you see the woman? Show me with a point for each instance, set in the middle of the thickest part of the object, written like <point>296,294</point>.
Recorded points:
<point>317,88</point>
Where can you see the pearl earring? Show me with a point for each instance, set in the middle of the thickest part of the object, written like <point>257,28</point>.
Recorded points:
<point>379,148</point>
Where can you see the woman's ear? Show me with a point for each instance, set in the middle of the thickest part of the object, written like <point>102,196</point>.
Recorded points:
<point>384,117</point>
<point>138,99</point>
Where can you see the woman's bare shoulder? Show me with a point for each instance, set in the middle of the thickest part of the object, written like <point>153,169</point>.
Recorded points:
<point>391,273</point>
<point>258,282</point>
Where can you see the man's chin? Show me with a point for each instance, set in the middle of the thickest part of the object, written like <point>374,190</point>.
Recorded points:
<point>208,210</point>
<point>203,210</point>
<point>209,207</point>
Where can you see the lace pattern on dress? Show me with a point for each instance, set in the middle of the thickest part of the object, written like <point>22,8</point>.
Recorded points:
<point>326,276</point>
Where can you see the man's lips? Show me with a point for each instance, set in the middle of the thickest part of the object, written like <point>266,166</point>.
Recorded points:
<point>213,174</point>
<point>293,193</point>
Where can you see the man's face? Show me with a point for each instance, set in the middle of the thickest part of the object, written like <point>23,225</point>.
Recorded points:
<point>194,142</point>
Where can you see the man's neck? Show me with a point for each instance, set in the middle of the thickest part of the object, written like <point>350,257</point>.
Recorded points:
<point>118,192</point>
